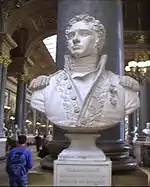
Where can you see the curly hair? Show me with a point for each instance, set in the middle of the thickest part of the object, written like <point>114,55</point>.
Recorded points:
<point>97,26</point>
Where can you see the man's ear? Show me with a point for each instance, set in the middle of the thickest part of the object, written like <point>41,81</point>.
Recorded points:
<point>96,41</point>
<point>100,44</point>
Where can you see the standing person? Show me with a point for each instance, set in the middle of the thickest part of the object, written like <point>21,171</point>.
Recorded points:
<point>44,151</point>
<point>19,162</point>
<point>38,142</point>
<point>44,141</point>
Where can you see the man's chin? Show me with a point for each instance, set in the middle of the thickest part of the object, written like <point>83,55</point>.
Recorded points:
<point>77,55</point>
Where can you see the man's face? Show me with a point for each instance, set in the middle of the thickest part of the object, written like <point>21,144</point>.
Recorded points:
<point>81,40</point>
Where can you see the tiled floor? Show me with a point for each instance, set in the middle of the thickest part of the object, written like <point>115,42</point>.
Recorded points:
<point>37,177</point>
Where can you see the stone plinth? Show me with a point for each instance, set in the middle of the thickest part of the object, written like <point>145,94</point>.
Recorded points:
<point>80,173</point>
<point>82,164</point>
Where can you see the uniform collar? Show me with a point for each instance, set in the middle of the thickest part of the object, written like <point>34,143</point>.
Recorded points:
<point>74,74</point>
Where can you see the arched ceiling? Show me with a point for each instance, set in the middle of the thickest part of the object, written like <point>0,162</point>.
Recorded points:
<point>39,17</point>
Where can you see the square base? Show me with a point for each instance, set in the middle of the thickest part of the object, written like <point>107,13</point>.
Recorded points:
<point>82,173</point>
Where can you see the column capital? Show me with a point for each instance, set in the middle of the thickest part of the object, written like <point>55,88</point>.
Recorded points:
<point>23,64</point>
<point>26,77</point>
<point>6,44</point>
<point>5,60</point>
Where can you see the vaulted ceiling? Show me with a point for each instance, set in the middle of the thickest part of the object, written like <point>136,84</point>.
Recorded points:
<point>36,19</point>
<point>39,19</point>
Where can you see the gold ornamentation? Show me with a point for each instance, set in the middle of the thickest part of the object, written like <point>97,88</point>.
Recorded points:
<point>24,77</point>
<point>5,60</point>
<point>139,68</point>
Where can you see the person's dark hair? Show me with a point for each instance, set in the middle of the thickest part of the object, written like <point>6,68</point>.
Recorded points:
<point>22,139</point>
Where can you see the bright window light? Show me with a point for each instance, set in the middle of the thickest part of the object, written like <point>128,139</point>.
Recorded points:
<point>50,43</point>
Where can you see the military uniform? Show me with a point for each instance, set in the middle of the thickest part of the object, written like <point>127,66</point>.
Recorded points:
<point>94,99</point>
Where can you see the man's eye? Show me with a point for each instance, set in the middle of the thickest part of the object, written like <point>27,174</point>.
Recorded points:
<point>70,35</point>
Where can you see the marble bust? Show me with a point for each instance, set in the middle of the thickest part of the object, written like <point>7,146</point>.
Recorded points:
<point>84,95</point>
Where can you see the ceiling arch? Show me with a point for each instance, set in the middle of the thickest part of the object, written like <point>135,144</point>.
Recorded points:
<point>36,13</point>
<point>20,36</point>
<point>39,17</point>
<point>31,45</point>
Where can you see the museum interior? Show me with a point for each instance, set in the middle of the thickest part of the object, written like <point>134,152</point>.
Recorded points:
<point>32,43</point>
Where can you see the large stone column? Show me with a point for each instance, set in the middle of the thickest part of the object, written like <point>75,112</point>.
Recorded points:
<point>110,14</point>
<point>144,112</point>
<point>6,44</point>
<point>34,121</point>
<point>132,123</point>
<point>21,95</point>
<point>107,12</point>
<point>20,112</point>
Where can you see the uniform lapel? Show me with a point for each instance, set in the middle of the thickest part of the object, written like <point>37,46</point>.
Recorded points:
<point>69,96</point>
<point>82,112</point>
<point>91,102</point>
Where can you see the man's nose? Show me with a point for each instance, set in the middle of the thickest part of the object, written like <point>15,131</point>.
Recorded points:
<point>76,38</point>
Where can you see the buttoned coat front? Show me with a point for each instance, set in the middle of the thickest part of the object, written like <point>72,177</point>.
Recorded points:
<point>106,103</point>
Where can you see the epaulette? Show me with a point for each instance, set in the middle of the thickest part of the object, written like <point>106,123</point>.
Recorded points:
<point>41,81</point>
<point>129,82</point>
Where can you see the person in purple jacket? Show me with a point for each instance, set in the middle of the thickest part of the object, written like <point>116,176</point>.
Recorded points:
<point>19,162</point>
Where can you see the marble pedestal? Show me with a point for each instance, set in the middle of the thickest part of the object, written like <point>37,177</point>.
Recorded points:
<point>2,148</point>
<point>82,164</point>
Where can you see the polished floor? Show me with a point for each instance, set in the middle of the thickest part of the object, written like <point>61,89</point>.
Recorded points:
<point>37,177</point>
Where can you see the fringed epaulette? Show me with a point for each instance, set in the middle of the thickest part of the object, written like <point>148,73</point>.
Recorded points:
<point>41,81</point>
<point>129,82</point>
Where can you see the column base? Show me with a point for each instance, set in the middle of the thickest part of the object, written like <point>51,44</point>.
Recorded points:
<point>3,148</point>
<point>119,153</point>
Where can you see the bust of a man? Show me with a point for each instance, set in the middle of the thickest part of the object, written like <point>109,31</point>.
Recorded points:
<point>84,94</point>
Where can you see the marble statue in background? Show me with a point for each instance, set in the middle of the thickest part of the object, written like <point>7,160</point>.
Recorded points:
<point>85,95</point>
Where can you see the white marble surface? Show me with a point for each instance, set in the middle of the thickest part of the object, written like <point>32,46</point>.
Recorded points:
<point>85,96</point>
<point>80,173</point>
<point>82,148</point>
<point>82,163</point>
